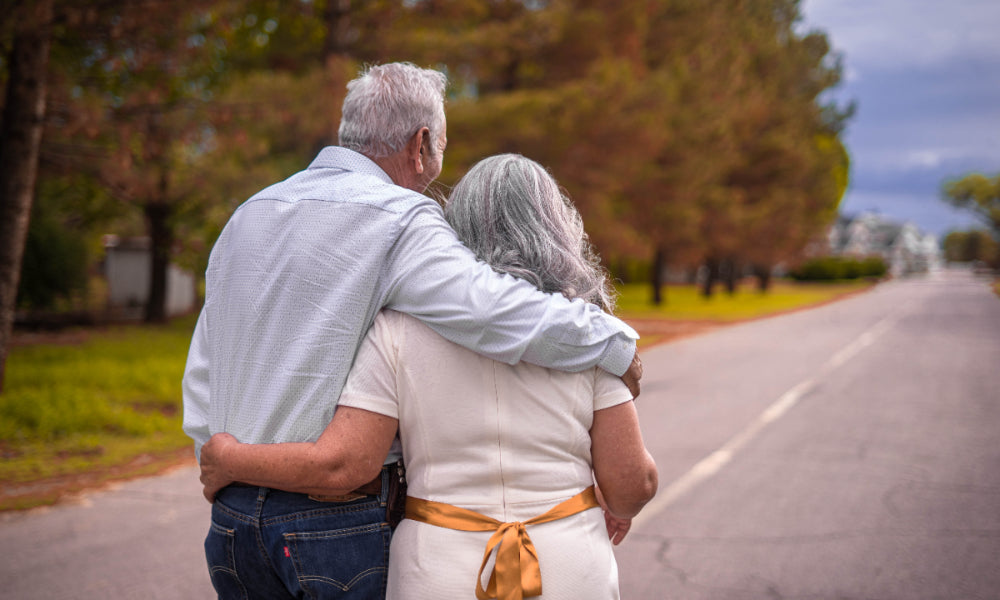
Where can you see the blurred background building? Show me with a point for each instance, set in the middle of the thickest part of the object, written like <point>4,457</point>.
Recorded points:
<point>903,246</point>
<point>127,269</point>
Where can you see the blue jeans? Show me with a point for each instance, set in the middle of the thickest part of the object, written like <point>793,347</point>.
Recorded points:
<point>265,543</point>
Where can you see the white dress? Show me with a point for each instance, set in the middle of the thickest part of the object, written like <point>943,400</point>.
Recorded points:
<point>509,442</point>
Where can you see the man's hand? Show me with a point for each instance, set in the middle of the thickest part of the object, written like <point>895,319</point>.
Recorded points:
<point>633,375</point>
<point>213,472</point>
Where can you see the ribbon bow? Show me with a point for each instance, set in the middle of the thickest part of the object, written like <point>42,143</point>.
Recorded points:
<point>516,573</point>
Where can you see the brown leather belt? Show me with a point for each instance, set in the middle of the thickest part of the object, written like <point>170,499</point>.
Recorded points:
<point>372,488</point>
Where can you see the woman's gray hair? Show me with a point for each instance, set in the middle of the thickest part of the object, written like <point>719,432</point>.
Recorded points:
<point>512,214</point>
<point>387,104</point>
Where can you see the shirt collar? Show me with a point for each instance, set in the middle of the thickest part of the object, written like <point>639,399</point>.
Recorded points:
<point>337,157</point>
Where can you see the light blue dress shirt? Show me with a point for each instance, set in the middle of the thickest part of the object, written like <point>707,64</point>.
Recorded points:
<point>302,268</point>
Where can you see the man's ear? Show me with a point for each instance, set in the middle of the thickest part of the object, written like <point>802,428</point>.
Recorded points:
<point>416,148</point>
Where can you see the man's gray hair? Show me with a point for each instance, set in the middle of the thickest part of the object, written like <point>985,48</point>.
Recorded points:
<point>512,214</point>
<point>389,103</point>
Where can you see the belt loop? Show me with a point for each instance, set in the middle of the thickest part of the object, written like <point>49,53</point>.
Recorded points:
<point>261,496</point>
<point>383,494</point>
<point>395,503</point>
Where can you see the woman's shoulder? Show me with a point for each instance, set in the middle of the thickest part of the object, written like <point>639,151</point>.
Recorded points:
<point>609,390</point>
<point>412,334</point>
<point>398,321</point>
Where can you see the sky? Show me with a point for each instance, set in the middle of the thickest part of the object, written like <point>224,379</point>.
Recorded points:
<point>925,75</point>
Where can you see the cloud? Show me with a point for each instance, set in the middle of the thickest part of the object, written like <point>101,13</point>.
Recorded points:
<point>910,117</point>
<point>923,158</point>
<point>902,33</point>
<point>924,75</point>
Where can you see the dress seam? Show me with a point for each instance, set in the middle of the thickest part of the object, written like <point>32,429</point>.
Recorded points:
<point>500,433</point>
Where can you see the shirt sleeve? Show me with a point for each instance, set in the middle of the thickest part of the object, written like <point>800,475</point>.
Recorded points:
<point>371,383</point>
<point>195,386</point>
<point>609,390</point>
<point>439,281</point>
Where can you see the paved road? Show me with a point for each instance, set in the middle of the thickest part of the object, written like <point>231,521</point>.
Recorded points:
<point>137,540</point>
<point>851,451</point>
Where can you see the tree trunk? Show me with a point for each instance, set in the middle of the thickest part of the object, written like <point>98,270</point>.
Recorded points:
<point>621,271</point>
<point>336,61</point>
<point>161,240</point>
<point>657,277</point>
<point>763,273</point>
<point>337,16</point>
<point>729,273</point>
<point>711,276</point>
<point>20,138</point>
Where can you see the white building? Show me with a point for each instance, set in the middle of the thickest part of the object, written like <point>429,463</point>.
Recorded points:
<point>127,269</point>
<point>904,247</point>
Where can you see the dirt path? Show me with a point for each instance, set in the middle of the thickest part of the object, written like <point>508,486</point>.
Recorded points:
<point>52,490</point>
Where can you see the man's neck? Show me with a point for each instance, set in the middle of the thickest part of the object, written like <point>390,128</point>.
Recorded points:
<point>398,168</point>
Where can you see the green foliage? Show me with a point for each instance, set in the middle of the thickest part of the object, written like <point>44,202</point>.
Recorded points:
<point>62,243</point>
<point>979,194</point>
<point>54,266</point>
<point>873,267</point>
<point>834,268</point>
<point>969,246</point>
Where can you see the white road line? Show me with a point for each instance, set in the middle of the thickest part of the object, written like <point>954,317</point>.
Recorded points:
<point>714,462</point>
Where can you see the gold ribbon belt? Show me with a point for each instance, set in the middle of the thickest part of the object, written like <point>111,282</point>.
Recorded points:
<point>516,573</point>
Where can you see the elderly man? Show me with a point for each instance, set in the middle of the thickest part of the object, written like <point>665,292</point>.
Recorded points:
<point>293,284</point>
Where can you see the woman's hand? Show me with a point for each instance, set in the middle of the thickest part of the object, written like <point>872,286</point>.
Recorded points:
<point>213,473</point>
<point>617,528</point>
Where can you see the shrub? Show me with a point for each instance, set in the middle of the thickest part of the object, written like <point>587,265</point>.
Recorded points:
<point>825,268</point>
<point>832,268</point>
<point>874,266</point>
<point>55,263</point>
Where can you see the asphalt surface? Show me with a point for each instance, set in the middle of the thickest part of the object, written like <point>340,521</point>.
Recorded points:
<point>849,451</point>
<point>140,539</point>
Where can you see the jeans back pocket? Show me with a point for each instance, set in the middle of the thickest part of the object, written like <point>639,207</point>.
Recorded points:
<point>341,563</point>
<point>220,552</point>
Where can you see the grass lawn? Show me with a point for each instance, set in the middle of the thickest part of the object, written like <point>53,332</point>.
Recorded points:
<point>685,303</point>
<point>90,406</point>
<point>684,311</point>
<point>104,403</point>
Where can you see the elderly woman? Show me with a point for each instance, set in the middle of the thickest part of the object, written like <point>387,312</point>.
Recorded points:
<point>502,460</point>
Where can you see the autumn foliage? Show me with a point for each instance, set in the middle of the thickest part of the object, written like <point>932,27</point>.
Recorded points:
<point>689,133</point>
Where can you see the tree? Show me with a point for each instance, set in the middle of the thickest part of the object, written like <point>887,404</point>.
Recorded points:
<point>129,111</point>
<point>684,131</point>
<point>688,130</point>
<point>979,194</point>
<point>55,263</point>
<point>791,172</point>
<point>20,138</point>
<point>969,246</point>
